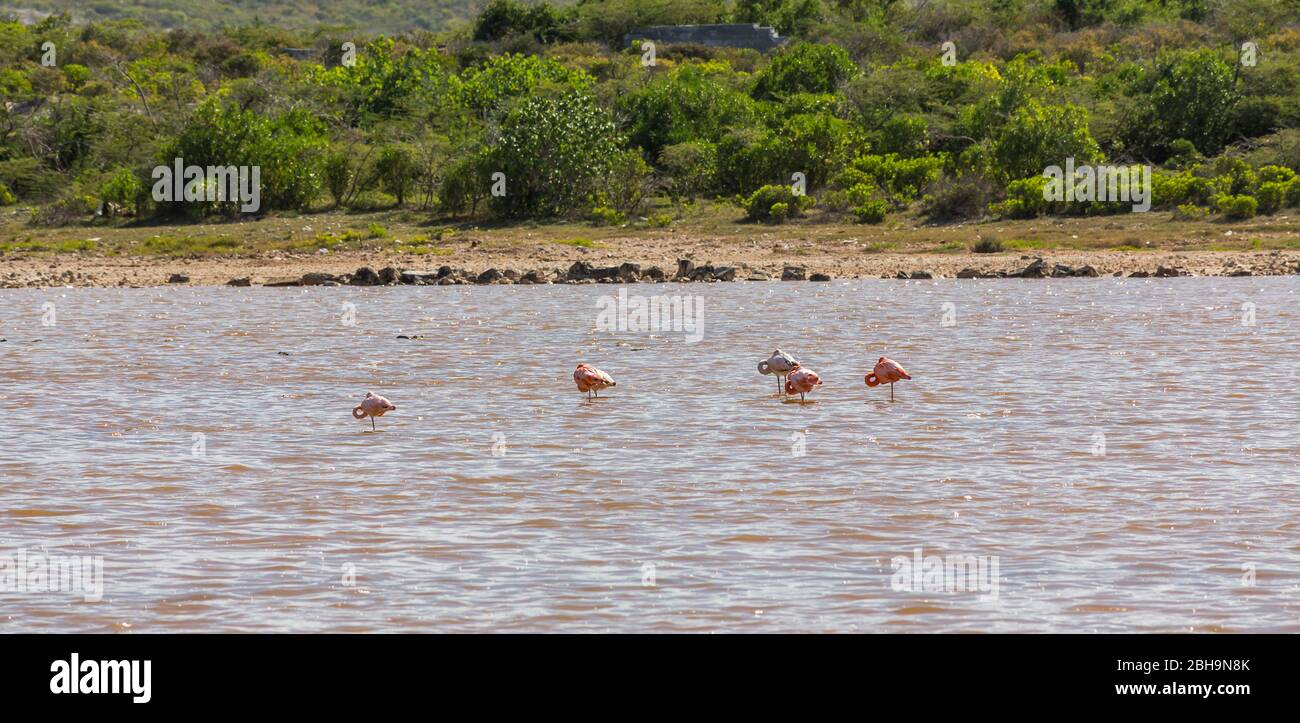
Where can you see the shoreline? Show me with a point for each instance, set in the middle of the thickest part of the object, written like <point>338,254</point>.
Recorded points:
<point>332,247</point>
<point>363,268</point>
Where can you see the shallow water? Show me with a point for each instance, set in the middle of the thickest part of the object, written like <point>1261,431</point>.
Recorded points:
<point>1126,451</point>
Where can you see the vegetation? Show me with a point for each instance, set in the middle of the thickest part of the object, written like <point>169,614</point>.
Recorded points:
<point>532,111</point>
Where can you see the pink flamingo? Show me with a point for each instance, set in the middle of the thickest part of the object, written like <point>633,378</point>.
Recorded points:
<point>591,380</point>
<point>887,371</point>
<point>373,406</point>
<point>778,364</point>
<point>801,381</point>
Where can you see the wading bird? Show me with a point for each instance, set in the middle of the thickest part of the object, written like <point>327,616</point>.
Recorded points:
<point>373,406</point>
<point>801,381</point>
<point>591,380</point>
<point>779,364</point>
<point>887,371</point>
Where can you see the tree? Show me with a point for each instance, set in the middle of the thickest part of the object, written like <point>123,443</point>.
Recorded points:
<point>805,68</point>
<point>553,151</point>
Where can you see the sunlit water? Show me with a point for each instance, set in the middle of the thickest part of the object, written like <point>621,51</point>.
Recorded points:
<point>1127,451</point>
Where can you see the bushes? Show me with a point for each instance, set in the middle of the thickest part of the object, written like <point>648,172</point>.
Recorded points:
<point>966,196</point>
<point>690,168</point>
<point>1236,207</point>
<point>805,68</point>
<point>123,190</point>
<point>775,204</point>
<point>553,150</point>
<point>871,212</point>
<point>901,179</point>
<point>1024,199</point>
<point>337,172</point>
<point>6,196</point>
<point>396,170</point>
<point>628,185</point>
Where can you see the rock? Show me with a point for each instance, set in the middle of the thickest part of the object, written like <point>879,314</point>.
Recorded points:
<point>364,276</point>
<point>794,273</point>
<point>580,270</point>
<point>245,281</point>
<point>1061,270</point>
<point>629,272</point>
<point>409,278</point>
<point>512,274</point>
<point>901,275</point>
<point>1164,272</point>
<point>819,277</point>
<point>725,273</point>
<point>757,276</point>
<point>685,269</point>
<point>488,276</point>
<point>178,279</point>
<point>702,273</point>
<point>537,277</point>
<point>1088,271</point>
<point>316,278</point>
<point>283,282</point>
<point>1036,269</point>
<point>922,275</point>
<point>1139,275</point>
<point>968,273</point>
<point>388,275</point>
<point>655,273</point>
<point>1241,272</point>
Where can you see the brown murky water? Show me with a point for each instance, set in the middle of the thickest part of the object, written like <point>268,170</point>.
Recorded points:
<point>1117,455</point>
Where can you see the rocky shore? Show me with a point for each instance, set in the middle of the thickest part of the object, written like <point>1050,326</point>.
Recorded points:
<point>44,272</point>
<point>582,272</point>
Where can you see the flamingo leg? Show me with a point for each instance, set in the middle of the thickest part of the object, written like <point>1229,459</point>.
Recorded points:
<point>780,386</point>
<point>891,391</point>
<point>372,425</point>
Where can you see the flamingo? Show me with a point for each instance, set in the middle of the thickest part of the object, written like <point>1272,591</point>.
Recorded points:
<point>591,380</point>
<point>887,371</point>
<point>779,364</point>
<point>373,406</point>
<point>801,380</point>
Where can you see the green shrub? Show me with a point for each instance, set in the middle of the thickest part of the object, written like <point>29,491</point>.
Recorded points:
<point>871,212</point>
<point>1024,199</point>
<point>338,176</point>
<point>123,190</point>
<point>1236,207</point>
<point>762,205</point>
<point>605,216</point>
<point>67,210</point>
<point>1190,212</point>
<point>6,196</point>
<point>690,167</point>
<point>1272,196</point>
<point>987,246</point>
<point>901,179</point>
<point>555,151</point>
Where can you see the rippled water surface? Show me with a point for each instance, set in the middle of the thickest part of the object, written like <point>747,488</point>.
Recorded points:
<point>1127,451</point>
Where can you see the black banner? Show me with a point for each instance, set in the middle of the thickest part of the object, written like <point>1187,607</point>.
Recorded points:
<point>211,673</point>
